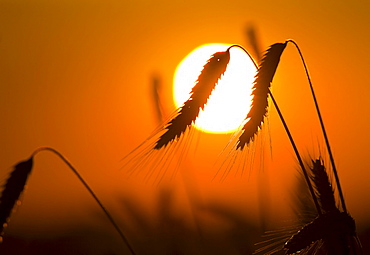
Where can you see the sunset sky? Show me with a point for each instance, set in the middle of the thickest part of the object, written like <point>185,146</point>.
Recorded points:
<point>76,76</point>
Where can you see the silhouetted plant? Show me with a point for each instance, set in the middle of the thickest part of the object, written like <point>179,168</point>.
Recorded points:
<point>261,89</point>
<point>17,181</point>
<point>13,188</point>
<point>255,120</point>
<point>200,93</point>
<point>333,231</point>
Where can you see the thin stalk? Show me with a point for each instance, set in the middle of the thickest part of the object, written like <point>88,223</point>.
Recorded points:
<point>249,55</point>
<point>322,128</point>
<point>309,184</point>
<point>115,225</point>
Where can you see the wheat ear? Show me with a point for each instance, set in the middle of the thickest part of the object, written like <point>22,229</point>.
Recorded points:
<point>264,77</point>
<point>332,232</point>
<point>332,229</point>
<point>262,83</point>
<point>341,196</point>
<point>323,186</point>
<point>13,188</point>
<point>206,82</point>
<point>17,181</point>
<point>336,230</point>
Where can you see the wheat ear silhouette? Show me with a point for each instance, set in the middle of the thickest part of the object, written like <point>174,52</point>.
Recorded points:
<point>206,82</point>
<point>333,232</point>
<point>255,117</point>
<point>15,185</point>
<point>13,188</point>
<point>261,89</point>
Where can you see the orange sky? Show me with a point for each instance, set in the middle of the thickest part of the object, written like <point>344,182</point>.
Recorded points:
<point>75,75</point>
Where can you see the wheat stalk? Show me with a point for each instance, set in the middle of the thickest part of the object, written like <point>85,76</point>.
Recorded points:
<point>335,230</point>
<point>258,111</point>
<point>341,196</point>
<point>261,89</point>
<point>16,182</point>
<point>206,82</point>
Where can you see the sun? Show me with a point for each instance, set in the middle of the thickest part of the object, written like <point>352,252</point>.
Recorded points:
<point>230,101</point>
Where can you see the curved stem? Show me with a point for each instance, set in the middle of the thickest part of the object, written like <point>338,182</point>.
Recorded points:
<point>249,55</point>
<point>322,128</point>
<point>115,225</point>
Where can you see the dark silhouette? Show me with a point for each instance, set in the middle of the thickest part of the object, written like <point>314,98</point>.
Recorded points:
<point>13,188</point>
<point>200,93</point>
<point>261,89</point>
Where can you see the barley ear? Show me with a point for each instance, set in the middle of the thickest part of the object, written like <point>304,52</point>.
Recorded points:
<point>206,82</point>
<point>13,188</point>
<point>260,93</point>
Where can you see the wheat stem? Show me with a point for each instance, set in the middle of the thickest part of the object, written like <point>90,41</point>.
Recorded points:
<point>322,127</point>
<point>115,225</point>
<point>242,48</point>
<point>309,184</point>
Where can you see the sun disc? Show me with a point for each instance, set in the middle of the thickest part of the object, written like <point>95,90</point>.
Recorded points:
<point>230,101</point>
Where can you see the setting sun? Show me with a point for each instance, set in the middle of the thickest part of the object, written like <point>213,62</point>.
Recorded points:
<point>230,101</point>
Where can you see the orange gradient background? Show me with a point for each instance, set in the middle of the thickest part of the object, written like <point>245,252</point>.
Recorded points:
<point>76,76</point>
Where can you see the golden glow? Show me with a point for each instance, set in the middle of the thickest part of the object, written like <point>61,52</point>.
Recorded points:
<point>230,102</point>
